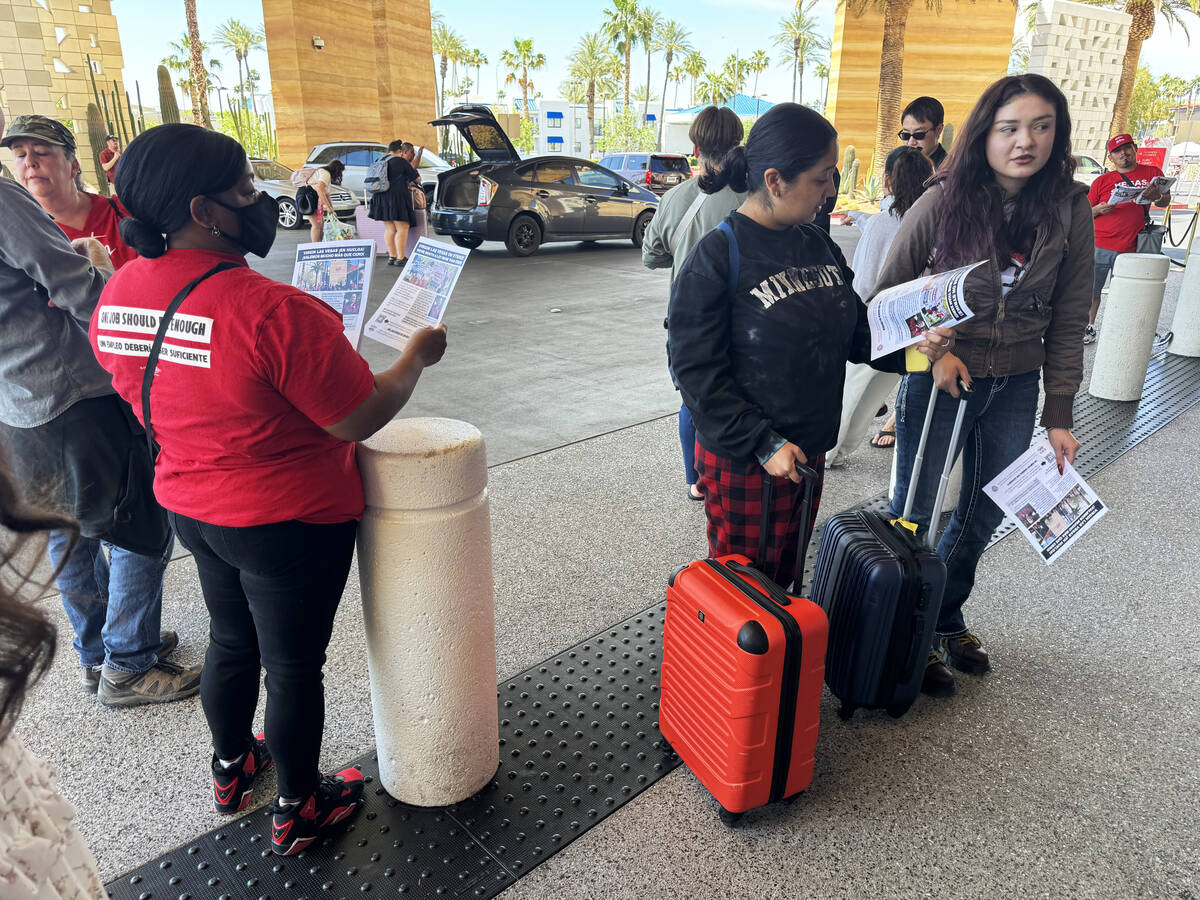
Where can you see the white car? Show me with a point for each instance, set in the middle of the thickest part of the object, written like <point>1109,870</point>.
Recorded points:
<point>275,180</point>
<point>357,156</point>
<point>1087,169</point>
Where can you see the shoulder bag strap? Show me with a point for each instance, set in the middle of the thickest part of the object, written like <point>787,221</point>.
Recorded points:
<point>152,359</point>
<point>116,209</point>
<point>682,227</point>
<point>1145,209</point>
<point>731,280</point>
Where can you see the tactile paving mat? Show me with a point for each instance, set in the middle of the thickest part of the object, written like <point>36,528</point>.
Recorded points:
<point>578,738</point>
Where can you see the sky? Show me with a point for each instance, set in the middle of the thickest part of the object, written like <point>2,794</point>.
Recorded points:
<point>717,29</point>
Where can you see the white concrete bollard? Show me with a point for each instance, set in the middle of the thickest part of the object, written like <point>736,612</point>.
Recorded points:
<point>425,567</point>
<point>1186,324</point>
<point>1127,333</point>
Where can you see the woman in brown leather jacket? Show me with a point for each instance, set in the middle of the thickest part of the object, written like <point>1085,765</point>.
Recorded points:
<point>1007,196</point>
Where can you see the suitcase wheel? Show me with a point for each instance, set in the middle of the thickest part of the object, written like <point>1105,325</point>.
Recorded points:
<point>896,710</point>
<point>846,712</point>
<point>729,819</point>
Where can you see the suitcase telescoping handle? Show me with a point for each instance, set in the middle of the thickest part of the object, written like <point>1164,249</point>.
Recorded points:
<point>905,519</point>
<point>811,477</point>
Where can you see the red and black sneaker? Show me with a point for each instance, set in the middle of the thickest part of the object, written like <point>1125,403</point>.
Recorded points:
<point>232,787</point>
<point>294,827</point>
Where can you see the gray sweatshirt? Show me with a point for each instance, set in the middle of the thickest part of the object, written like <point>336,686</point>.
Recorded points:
<point>656,247</point>
<point>46,362</point>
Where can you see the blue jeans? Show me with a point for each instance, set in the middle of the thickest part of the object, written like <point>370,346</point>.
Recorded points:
<point>687,442</point>
<point>114,605</point>
<point>997,428</point>
<point>1103,263</point>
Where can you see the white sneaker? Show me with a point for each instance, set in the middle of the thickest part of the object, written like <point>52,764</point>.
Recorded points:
<point>1090,334</point>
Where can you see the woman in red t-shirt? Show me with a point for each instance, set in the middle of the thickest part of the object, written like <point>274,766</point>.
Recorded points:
<point>257,399</point>
<point>51,173</point>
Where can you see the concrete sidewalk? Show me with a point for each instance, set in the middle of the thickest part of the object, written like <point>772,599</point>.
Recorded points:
<point>1072,770</point>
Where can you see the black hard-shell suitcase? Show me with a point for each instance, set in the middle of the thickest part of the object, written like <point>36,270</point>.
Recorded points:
<point>881,588</point>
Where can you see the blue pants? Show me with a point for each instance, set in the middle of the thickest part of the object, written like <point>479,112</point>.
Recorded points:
<point>114,602</point>
<point>687,442</point>
<point>997,428</point>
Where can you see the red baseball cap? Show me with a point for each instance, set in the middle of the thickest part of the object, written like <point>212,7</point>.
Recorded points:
<point>1119,140</point>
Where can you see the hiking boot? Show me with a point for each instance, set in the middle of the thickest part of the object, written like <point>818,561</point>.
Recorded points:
<point>233,786</point>
<point>295,826</point>
<point>1090,334</point>
<point>965,652</point>
<point>161,683</point>
<point>939,681</point>
<point>90,677</point>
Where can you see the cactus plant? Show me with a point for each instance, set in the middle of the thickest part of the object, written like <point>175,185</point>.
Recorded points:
<point>141,113</point>
<point>848,160</point>
<point>166,97</point>
<point>120,116</point>
<point>850,178</point>
<point>96,93</point>
<point>948,136</point>
<point>96,135</point>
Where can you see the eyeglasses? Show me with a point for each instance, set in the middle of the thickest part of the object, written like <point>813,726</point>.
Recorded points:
<point>911,135</point>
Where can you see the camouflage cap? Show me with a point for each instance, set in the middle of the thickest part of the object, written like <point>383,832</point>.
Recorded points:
<point>39,128</point>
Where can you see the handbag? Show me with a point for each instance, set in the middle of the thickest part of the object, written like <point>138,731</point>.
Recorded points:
<point>419,200</point>
<point>1150,238</point>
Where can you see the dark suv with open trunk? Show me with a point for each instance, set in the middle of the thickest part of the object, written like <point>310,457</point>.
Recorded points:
<point>526,203</point>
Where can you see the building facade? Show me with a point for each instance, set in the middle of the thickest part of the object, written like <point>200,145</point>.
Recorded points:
<point>1081,49</point>
<point>44,50</point>
<point>952,55</point>
<point>349,71</point>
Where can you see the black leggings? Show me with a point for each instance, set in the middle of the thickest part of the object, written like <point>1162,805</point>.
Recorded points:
<point>271,592</point>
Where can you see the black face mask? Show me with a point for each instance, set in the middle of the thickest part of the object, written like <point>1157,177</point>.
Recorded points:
<point>259,222</point>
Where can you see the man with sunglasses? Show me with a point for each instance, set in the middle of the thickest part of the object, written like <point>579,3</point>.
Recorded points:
<point>921,126</point>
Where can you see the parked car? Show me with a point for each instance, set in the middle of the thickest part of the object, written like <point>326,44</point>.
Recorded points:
<point>1087,169</point>
<point>357,156</point>
<point>658,171</point>
<point>529,202</point>
<point>275,180</point>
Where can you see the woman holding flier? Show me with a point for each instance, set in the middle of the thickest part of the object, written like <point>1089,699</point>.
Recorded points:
<point>1006,195</point>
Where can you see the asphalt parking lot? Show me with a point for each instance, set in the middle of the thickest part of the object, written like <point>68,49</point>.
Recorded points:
<point>543,351</point>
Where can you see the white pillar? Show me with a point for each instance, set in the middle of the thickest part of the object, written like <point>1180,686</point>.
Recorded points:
<point>425,567</point>
<point>1186,324</point>
<point>1127,333</point>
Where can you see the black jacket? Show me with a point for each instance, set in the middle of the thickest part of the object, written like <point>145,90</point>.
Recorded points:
<point>768,363</point>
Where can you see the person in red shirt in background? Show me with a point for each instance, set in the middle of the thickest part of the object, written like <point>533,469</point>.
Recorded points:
<point>256,402</point>
<point>109,156</point>
<point>1117,225</point>
<point>44,162</point>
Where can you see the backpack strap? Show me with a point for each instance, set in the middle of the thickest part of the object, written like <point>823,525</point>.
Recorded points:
<point>116,209</point>
<point>156,348</point>
<point>682,227</point>
<point>731,280</point>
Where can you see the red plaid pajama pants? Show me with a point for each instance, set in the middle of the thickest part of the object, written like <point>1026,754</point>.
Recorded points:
<point>733,506</point>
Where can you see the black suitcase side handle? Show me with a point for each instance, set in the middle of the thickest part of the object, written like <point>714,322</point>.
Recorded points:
<point>811,477</point>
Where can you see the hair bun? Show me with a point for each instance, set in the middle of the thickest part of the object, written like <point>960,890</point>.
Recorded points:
<point>147,240</point>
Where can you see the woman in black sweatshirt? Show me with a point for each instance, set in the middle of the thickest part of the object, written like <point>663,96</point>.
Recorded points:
<point>761,323</point>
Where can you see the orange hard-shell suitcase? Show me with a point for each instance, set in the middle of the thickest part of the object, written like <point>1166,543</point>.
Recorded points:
<point>743,666</point>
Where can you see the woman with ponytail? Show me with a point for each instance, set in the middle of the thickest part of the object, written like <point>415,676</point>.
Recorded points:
<point>256,400</point>
<point>761,323</point>
<point>1006,196</point>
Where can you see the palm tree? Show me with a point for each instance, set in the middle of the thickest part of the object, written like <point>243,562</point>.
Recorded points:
<point>758,63</point>
<point>822,72</point>
<point>621,28</point>
<point>678,75</point>
<point>648,22</point>
<point>591,63</point>
<point>1145,13</point>
<point>181,61</point>
<point>519,61</point>
<point>476,58</point>
<point>715,88</point>
<point>199,76</point>
<point>694,66</point>
<point>447,45</point>
<point>735,70</point>
<point>671,38</point>
<point>801,41</point>
<point>239,39</point>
